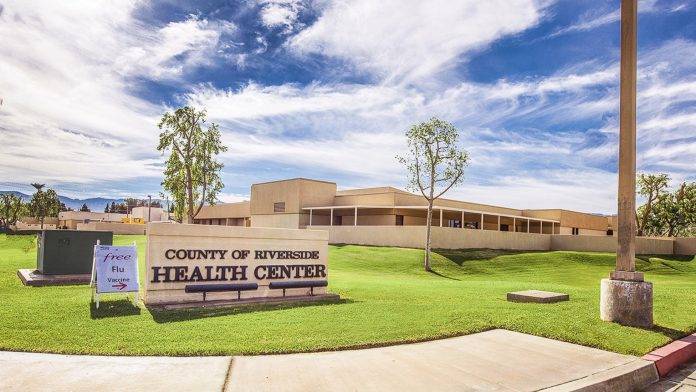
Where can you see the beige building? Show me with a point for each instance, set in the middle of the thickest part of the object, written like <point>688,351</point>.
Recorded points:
<point>70,219</point>
<point>301,203</point>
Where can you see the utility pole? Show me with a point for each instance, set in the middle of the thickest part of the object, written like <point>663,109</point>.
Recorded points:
<point>625,297</point>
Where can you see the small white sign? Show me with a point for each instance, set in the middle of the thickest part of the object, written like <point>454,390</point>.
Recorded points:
<point>116,269</point>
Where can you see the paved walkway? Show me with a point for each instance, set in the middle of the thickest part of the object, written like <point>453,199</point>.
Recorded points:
<point>494,360</point>
<point>682,379</point>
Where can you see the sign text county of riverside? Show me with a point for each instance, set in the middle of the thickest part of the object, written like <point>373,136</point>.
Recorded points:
<point>267,269</point>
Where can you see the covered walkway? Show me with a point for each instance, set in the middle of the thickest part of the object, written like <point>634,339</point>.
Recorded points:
<point>366,215</point>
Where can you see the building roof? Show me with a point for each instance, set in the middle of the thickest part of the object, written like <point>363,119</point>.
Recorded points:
<point>370,191</point>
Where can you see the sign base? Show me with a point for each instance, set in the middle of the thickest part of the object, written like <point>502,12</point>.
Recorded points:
<point>246,302</point>
<point>32,277</point>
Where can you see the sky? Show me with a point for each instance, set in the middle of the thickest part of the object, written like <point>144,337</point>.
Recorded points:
<point>326,89</point>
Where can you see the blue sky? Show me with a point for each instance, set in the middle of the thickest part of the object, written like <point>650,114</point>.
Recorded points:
<point>326,89</point>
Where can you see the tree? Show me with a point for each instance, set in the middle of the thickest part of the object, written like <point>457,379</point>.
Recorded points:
<point>435,164</point>
<point>192,174</point>
<point>650,186</point>
<point>11,208</point>
<point>106,209</point>
<point>44,203</point>
<point>674,213</point>
<point>84,208</point>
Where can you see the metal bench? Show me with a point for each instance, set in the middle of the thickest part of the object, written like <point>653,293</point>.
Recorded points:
<point>298,284</point>
<point>208,288</point>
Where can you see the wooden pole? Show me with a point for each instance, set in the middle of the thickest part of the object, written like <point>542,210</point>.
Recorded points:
<point>625,254</point>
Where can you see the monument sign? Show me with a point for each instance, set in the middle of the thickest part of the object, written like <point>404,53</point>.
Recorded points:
<point>199,264</point>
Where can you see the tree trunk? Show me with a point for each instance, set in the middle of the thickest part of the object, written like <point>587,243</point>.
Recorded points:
<point>189,195</point>
<point>429,223</point>
<point>42,221</point>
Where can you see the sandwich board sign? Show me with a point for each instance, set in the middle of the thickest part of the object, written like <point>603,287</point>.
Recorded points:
<point>115,270</point>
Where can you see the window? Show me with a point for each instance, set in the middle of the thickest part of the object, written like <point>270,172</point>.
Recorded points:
<point>504,227</point>
<point>338,220</point>
<point>610,232</point>
<point>399,220</point>
<point>576,231</point>
<point>279,207</point>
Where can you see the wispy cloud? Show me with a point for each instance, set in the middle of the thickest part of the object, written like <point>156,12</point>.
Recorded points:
<point>397,39</point>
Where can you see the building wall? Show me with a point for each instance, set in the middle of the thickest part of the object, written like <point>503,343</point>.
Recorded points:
<point>115,227</point>
<point>156,214</point>
<point>399,236</point>
<point>609,244</point>
<point>566,230</point>
<point>237,210</point>
<point>455,238</point>
<point>286,221</point>
<point>685,246</point>
<point>296,194</point>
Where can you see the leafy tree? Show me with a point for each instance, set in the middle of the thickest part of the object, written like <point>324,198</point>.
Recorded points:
<point>84,208</point>
<point>674,213</point>
<point>112,207</point>
<point>650,186</point>
<point>44,203</point>
<point>192,174</point>
<point>435,164</point>
<point>106,209</point>
<point>11,208</point>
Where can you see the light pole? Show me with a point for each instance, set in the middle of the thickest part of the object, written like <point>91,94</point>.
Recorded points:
<point>149,207</point>
<point>625,297</point>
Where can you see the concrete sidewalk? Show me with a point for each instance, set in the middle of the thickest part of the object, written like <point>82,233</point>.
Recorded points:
<point>494,360</point>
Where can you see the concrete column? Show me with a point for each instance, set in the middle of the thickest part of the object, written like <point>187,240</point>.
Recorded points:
<point>541,227</point>
<point>498,222</point>
<point>440,217</point>
<point>310,217</point>
<point>355,221</point>
<point>625,256</point>
<point>514,225</point>
<point>528,225</point>
<point>481,222</point>
<point>462,221</point>
<point>553,227</point>
<point>625,298</point>
<point>331,219</point>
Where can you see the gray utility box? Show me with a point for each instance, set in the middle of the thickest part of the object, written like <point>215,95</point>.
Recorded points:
<point>65,252</point>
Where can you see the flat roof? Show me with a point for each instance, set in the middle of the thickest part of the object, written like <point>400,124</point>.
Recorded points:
<point>293,179</point>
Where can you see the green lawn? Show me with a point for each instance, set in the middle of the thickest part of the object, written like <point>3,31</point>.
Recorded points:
<point>387,299</point>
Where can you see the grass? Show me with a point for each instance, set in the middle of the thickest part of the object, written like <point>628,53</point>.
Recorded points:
<point>387,299</point>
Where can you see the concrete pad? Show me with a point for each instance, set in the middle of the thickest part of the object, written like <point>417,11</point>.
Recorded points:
<point>31,277</point>
<point>496,360</point>
<point>38,372</point>
<point>537,296</point>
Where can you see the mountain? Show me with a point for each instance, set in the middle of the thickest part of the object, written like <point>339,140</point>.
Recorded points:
<point>95,204</point>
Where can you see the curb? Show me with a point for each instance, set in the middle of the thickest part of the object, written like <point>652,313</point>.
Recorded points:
<point>631,376</point>
<point>668,357</point>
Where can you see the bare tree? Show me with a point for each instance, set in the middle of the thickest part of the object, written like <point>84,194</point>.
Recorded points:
<point>435,164</point>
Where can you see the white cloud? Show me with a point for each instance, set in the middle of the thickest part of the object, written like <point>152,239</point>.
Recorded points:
<point>167,52</point>
<point>283,13</point>
<point>68,113</point>
<point>593,20</point>
<point>397,39</point>
<point>356,130</point>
